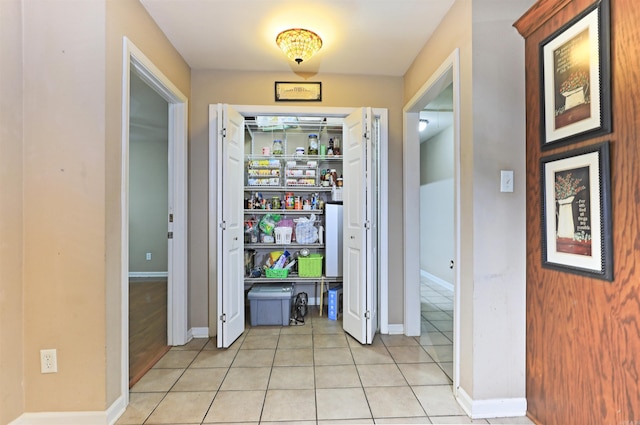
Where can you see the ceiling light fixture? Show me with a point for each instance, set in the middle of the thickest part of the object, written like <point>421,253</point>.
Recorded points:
<point>299,44</point>
<point>422,125</point>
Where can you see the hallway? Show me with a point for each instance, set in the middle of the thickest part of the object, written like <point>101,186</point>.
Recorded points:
<point>309,374</point>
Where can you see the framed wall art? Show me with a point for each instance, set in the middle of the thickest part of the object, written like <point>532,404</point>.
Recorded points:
<point>575,78</point>
<point>576,212</point>
<point>296,92</point>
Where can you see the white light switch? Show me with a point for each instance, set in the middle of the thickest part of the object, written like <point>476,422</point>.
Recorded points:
<point>506,180</point>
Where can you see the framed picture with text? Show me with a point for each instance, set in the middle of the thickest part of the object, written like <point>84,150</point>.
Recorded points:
<point>576,212</point>
<point>294,91</point>
<point>576,81</point>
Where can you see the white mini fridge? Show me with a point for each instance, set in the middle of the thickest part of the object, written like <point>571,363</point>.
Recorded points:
<point>333,239</point>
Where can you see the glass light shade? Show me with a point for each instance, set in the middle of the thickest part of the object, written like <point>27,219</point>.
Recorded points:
<point>299,44</point>
<point>422,125</point>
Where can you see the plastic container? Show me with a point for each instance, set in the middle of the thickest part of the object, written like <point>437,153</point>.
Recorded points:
<point>277,273</point>
<point>313,144</point>
<point>283,235</point>
<point>310,266</point>
<point>270,304</point>
<point>277,149</point>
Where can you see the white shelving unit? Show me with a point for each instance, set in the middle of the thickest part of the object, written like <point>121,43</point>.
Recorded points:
<point>290,174</point>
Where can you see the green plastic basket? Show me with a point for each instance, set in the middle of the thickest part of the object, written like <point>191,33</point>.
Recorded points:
<point>277,273</point>
<point>310,266</point>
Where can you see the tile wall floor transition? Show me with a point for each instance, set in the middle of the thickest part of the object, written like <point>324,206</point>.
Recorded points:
<point>309,374</point>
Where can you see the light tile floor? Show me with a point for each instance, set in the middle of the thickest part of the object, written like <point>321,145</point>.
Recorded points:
<point>310,374</point>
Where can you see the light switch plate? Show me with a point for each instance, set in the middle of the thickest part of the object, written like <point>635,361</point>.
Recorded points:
<point>506,180</point>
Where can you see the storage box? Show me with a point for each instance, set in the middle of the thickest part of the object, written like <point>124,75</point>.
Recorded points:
<point>283,235</point>
<point>270,304</point>
<point>277,273</point>
<point>310,266</point>
<point>334,304</point>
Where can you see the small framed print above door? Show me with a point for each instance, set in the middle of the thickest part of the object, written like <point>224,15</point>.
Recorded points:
<point>298,91</point>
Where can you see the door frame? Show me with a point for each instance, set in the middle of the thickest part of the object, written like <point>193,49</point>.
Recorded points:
<point>338,112</point>
<point>447,73</point>
<point>134,60</point>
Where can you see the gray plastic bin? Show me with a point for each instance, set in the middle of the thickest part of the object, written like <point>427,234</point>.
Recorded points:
<point>271,304</point>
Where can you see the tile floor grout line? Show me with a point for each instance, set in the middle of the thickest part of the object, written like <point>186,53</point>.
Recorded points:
<point>221,381</point>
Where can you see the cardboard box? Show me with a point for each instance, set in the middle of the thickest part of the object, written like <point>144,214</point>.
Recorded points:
<point>334,303</point>
<point>270,304</point>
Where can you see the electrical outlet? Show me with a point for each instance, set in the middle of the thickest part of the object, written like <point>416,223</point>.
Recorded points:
<point>148,256</point>
<point>48,361</point>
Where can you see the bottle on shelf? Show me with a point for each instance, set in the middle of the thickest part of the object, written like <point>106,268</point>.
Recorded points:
<point>336,146</point>
<point>313,144</point>
<point>277,149</point>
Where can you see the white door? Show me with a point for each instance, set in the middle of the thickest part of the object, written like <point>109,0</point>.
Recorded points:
<point>230,176</point>
<point>358,290</point>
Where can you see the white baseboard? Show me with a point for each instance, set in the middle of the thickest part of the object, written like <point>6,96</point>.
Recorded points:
<point>107,417</point>
<point>202,332</point>
<point>396,329</point>
<point>493,408</point>
<point>437,280</point>
<point>148,274</point>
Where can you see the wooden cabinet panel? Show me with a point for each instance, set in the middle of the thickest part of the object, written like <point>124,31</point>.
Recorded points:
<point>583,334</point>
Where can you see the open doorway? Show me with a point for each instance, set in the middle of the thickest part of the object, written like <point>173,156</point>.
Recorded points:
<point>135,63</point>
<point>431,174</point>
<point>437,241</point>
<point>219,317</point>
<point>148,212</point>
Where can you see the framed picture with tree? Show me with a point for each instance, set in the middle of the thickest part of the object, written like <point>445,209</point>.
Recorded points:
<point>576,212</point>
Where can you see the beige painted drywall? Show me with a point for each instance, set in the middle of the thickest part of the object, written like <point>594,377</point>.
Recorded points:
<point>11,244</point>
<point>66,220</point>
<point>257,88</point>
<point>499,234</point>
<point>64,176</point>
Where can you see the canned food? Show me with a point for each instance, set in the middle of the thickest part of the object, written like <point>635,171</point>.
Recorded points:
<point>275,202</point>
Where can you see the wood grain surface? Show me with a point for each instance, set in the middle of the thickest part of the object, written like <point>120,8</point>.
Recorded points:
<point>147,325</point>
<point>583,334</point>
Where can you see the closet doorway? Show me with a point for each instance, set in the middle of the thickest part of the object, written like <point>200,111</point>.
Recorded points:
<point>226,304</point>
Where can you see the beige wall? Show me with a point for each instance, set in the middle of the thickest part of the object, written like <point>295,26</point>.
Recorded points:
<point>247,88</point>
<point>11,258</point>
<point>60,262</point>
<point>64,215</point>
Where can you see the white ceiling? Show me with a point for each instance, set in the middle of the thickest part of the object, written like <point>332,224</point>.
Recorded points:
<point>368,37</point>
